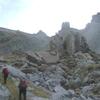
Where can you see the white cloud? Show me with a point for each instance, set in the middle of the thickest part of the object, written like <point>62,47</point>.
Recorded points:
<point>48,15</point>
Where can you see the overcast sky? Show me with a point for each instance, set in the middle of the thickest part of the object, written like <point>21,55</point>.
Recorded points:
<point>47,15</point>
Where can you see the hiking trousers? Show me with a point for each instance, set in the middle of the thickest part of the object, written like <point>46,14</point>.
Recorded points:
<point>5,79</point>
<point>22,92</point>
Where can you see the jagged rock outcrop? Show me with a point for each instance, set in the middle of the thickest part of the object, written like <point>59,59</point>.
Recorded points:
<point>75,42</point>
<point>92,33</point>
<point>68,41</point>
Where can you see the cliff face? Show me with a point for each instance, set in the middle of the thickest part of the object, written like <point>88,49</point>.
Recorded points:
<point>68,41</point>
<point>92,33</point>
<point>71,40</point>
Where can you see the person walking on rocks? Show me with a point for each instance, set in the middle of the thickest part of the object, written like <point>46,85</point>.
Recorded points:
<point>5,73</point>
<point>22,89</point>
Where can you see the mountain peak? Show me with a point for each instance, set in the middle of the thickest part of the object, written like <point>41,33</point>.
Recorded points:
<point>65,25</point>
<point>96,18</point>
<point>41,34</point>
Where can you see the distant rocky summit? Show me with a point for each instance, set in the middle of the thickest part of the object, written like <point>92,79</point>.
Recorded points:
<point>92,33</point>
<point>11,40</point>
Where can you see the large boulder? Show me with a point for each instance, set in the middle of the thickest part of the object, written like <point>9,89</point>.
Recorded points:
<point>42,57</point>
<point>49,57</point>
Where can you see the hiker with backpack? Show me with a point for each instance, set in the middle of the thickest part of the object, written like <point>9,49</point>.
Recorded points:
<point>5,73</point>
<point>22,89</point>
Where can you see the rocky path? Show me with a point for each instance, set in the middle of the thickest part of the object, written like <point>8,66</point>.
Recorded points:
<point>78,84</point>
<point>33,92</point>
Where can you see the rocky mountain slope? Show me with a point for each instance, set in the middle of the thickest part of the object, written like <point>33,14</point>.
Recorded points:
<point>10,91</point>
<point>11,40</point>
<point>73,77</point>
<point>92,33</point>
<point>67,70</point>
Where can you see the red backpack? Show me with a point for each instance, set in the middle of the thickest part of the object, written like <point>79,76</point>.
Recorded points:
<point>5,71</point>
<point>23,84</point>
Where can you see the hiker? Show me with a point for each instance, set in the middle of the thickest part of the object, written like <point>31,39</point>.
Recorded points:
<point>5,73</point>
<point>22,89</point>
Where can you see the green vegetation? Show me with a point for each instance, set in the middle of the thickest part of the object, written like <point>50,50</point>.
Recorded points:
<point>39,91</point>
<point>13,89</point>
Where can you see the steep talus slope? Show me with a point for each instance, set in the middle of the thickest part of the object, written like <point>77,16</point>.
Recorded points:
<point>76,76</point>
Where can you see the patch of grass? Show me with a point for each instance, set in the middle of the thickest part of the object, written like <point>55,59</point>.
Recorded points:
<point>11,87</point>
<point>39,91</point>
<point>93,67</point>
